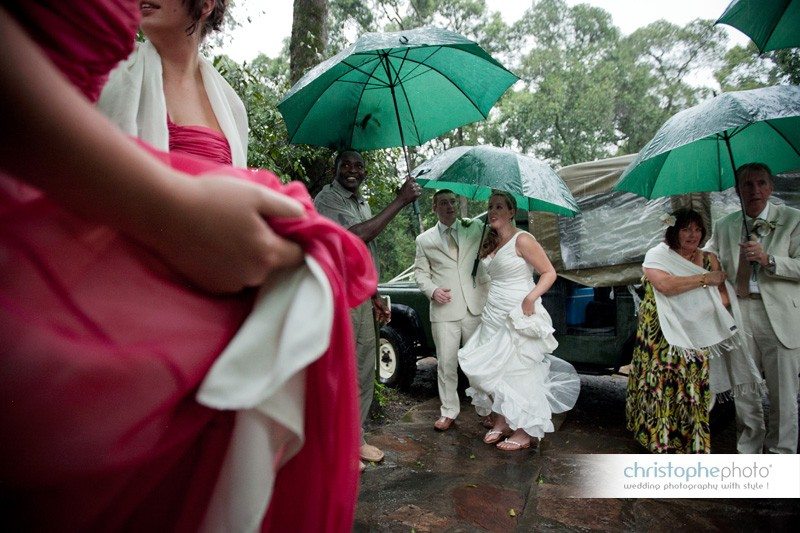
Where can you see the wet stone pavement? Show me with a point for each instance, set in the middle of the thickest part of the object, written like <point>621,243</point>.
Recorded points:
<point>452,481</point>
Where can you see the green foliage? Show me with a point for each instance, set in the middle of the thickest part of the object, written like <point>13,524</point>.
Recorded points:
<point>564,113</point>
<point>260,84</point>
<point>383,395</point>
<point>744,68</point>
<point>787,62</point>
<point>656,64</point>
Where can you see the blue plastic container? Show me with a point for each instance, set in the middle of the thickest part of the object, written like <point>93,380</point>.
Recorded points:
<point>576,305</point>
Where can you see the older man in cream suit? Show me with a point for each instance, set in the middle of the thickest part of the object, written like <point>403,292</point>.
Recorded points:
<point>443,271</point>
<point>767,273</point>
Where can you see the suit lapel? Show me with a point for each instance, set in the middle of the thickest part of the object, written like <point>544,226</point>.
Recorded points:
<point>437,241</point>
<point>468,249</point>
<point>775,215</point>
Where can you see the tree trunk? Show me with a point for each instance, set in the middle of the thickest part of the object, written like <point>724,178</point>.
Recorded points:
<point>309,36</point>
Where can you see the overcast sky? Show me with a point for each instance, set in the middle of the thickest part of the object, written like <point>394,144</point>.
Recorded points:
<point>272,21</point>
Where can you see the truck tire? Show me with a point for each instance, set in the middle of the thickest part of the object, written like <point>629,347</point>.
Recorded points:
<point>397,364</point>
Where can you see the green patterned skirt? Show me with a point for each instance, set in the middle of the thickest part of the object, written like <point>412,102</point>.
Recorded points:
<point>667,400</point>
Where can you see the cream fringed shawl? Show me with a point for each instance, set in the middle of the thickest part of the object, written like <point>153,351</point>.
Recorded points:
<point>696,324</point>
<point>133,98</point>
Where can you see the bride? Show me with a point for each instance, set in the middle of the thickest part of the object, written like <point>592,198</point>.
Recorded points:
<point>508,360</point>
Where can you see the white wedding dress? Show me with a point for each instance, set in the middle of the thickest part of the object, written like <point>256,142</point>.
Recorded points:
<point>508,359</point>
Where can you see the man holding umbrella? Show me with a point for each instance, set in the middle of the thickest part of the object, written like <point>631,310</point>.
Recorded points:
<point>443,271</point>
<point>341,202</point>
<point>767,272</point>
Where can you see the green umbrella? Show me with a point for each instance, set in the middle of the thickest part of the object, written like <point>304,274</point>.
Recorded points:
<point>394,89</point>
<point>474,171</point>
<point>771,24</point>
<point>698,149</point>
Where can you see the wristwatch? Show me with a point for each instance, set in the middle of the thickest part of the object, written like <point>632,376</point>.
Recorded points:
<point>771,264</point>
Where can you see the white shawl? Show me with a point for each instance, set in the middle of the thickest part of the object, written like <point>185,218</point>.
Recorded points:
<point>133,98</point>
<point>261,375</point>
<point>694,320</point>
<point>696,324</point>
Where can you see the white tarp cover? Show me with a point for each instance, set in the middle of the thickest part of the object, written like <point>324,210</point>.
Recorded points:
<point>604,245</point>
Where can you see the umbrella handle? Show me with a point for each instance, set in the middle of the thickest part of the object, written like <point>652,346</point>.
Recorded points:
<point>417,215</point>
<point>475,266</point>
<point>478,255</point>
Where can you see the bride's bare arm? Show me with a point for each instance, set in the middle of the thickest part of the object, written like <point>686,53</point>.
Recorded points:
<point>211,230</point>
<point>532,252</point>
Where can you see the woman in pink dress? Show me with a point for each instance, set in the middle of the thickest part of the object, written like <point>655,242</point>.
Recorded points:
<point>111,252</point>
<point>170,96</point>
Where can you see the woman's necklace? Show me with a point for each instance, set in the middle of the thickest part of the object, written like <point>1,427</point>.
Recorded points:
<point>503,240</point>
<point>691,257</point>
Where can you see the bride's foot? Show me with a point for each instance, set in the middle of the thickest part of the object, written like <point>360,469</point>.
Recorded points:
<point>494,435</point>
<point>519,440</point>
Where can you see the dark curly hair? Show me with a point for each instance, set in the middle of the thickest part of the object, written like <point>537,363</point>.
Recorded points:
<point>683,218</point>
<point>491,239</point>
<point>212,23</point>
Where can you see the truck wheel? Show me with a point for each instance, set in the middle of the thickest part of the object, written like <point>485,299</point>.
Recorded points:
<point>397,364</point>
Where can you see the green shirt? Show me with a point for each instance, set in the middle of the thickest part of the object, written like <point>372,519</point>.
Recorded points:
<point>346,209</point>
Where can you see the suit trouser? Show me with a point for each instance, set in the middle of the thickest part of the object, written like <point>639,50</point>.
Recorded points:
<point>363,320</point>
<point>448,338</point>
<point>779,366</point>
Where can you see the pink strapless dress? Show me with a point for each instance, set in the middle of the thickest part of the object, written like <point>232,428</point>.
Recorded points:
<point>199,141</point>
<point>103,347</point>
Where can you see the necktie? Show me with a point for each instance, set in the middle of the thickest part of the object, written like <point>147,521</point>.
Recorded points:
<point>743,274</point>
<point>451,242</point>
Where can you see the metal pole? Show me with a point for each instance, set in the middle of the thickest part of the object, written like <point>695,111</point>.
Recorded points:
<point>478,256</point>
<point>727,140</point>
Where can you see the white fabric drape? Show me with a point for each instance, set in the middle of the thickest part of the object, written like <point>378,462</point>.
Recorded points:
<point>261,374</point>
<point>133,98</point>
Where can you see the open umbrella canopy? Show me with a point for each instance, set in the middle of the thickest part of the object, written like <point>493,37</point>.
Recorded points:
<point>473,171</point>
<point>698,149</point>
<point>394,89</point>
<point>771,24</point>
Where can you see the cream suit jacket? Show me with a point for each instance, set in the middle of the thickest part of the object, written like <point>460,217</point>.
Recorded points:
<point>435,267</point>
<point>779,291</point>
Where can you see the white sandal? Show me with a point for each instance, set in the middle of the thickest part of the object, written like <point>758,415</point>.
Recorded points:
<point>493,436</point>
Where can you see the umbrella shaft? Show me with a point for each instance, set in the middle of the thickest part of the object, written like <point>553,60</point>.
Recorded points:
<point>414,204</point>
<point>727,139</point>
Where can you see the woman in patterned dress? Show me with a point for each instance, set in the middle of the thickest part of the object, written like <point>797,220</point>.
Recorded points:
<point>668,395</point>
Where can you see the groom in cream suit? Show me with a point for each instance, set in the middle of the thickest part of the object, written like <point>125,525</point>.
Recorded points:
<point>443,271</point>
<point>767,274</point>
